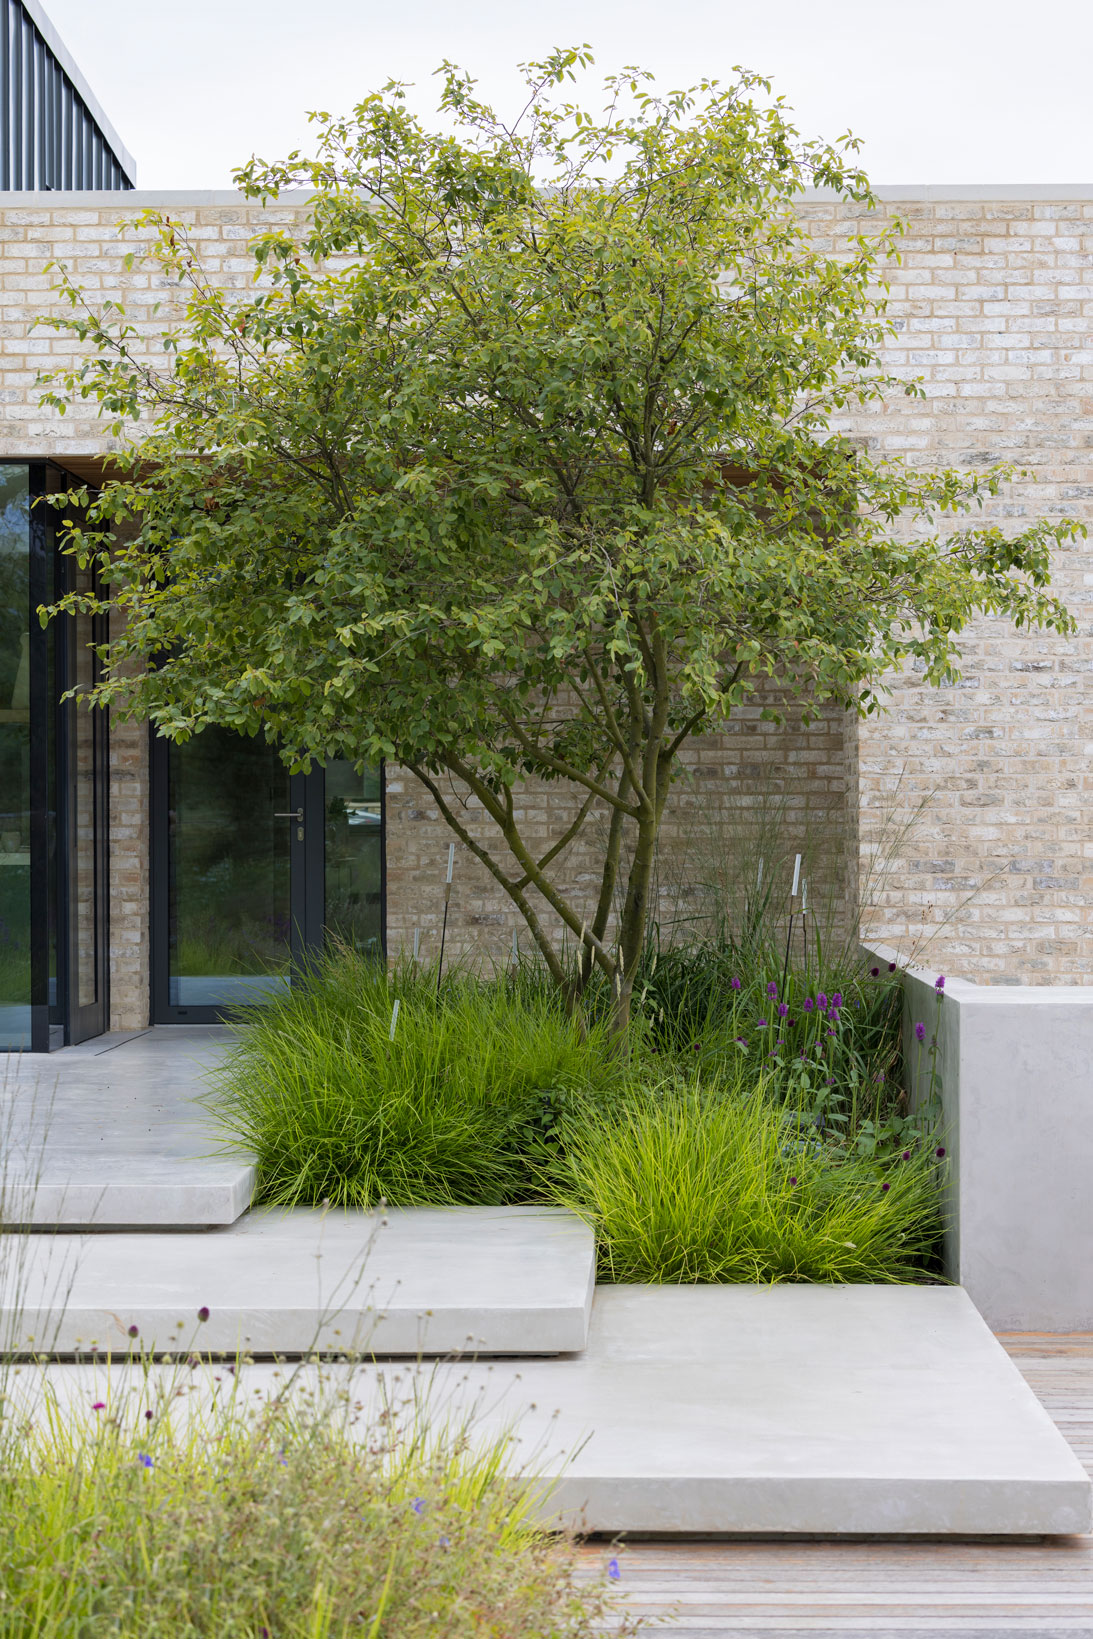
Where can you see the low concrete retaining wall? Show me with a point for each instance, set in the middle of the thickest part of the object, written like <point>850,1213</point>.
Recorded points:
<point>1014,1071</point>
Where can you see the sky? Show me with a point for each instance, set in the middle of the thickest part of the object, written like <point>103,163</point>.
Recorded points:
<point>939,91</point>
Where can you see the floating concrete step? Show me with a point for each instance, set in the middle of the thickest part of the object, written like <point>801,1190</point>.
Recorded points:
<point>109,1135</point>
<point>796,1409</point>
<point>506,1280</point>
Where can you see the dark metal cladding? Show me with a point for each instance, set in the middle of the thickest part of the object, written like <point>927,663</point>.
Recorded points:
<point>49,137</point>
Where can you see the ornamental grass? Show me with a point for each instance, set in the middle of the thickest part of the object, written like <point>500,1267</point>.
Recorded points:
<point>712,1183</point>
<point>271,1526</point>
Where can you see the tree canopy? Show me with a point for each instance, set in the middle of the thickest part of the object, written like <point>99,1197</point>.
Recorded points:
<point>518,458</point>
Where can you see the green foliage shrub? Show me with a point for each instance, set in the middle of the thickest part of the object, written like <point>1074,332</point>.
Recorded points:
<point>443,1114</point>
<point>250,1527</point>
<point>700,1183</point>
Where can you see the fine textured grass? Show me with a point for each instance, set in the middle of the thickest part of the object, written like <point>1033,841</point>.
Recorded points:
<point>444,1113</point>
<point>233,1527</point>
<point>708,1184</point>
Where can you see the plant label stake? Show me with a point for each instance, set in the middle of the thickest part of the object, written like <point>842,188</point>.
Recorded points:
<point>417,944</point>
<point>444,924</point>
<point>789,934</point>
<point>515,953</point>
<point>394,1021</point>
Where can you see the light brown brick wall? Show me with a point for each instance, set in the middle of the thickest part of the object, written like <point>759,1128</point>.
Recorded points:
<point>994,301</point>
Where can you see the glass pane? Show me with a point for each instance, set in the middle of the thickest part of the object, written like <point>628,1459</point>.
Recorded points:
<point>14,757</point>
<point>83,883</point>
<point>353,856</point>
<point>229,871</point>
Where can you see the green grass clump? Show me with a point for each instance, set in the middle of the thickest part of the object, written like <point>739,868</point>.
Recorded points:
<point>240,1528</point>
<point>335,1110</point>
<point>695,1183</point>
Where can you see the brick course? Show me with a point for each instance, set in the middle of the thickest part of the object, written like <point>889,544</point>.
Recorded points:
<point>994,308</point>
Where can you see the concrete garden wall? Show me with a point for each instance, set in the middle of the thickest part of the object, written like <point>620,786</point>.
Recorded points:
<point>1014,1071</point>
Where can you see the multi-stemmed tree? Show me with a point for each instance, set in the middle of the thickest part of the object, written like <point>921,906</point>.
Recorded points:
<point>515,461</point>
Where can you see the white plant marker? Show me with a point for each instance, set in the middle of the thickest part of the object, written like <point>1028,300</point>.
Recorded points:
<point>796,877</point>
<point>394,1021</point>
<point>417,944</point>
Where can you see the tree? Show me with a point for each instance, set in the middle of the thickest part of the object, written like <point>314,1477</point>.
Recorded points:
<point>518,461</point>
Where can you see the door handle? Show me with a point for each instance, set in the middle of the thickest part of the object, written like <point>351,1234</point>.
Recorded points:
<point>296,814</point>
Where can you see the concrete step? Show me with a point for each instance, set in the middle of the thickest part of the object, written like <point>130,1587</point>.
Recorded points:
<point>782,1409</point>
<point>506,1280</point>
<point>109,1134</point>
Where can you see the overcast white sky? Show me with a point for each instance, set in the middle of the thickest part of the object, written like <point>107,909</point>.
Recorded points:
<point>939,90</point>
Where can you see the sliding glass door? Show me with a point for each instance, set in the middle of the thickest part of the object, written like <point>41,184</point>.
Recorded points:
<point>53,785</point>
<point>253,870</point>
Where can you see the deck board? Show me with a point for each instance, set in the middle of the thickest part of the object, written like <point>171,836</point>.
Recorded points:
<point>884,1589</point>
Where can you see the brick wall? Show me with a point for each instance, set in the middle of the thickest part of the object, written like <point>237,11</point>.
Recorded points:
<point>994,301</point>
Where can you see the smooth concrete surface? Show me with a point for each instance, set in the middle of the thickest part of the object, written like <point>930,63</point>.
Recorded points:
<point>109,1134</point>
<point>737,1409</point>
<point>492,1280</point>
<point>1014,1072</point>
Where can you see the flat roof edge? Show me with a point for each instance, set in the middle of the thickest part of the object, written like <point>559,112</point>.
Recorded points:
<point>921,193</point>
<point>53,40</point>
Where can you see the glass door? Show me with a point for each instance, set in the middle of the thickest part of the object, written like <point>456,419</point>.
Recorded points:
<point>251,869</point>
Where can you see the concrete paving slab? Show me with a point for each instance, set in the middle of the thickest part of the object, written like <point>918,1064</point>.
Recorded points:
<point>798,1409</point>
<point>109,1135</point>
<point>790,1410</point>
<point>505,1280</point>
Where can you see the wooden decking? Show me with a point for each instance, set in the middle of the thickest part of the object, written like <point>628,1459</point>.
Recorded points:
<point>886,1590</point>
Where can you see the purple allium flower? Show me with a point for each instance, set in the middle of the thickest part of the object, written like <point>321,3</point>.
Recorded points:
<point>793,1181</point>
<point>772,989</point>
<point>782,1010</point>
<point>885,1186</point>
<point>906,1156</point>
<point>99,1405</point>
<point>203,1313</point>
<point>613,1570</point>
<point>762,1025</point>
<point>144,1460</point>
<point>891,967</point>
<point>874,972</point>
<point>134,1331</point>
<point>831,1032</point>
<point>736,984</point>
<point>939,983</point>
<point>821,1002</point>
<point>148,1416</point>
<point>809,1004</point>
<point>740,1041</point>
<point>418,1506</point>
<point>940,1152</point>
<point>920,1032</point>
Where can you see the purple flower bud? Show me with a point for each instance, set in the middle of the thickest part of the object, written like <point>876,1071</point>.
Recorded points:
<point>772,989</point>
<point>821,1002</point>
<point>782,1010</point>
<point>885,1186</point>
<point>891,967</point>
<point>939,982</point>
<point>808,1004</point>
<point>874,972</point>
<point>762,1025</point>
<point>793,1181</point>
<point>940,1152</point>
<point>203,1314</point>
<point>741,1042</point>
<point>920,1032</point>
<point>99,1405</point>
<point>906,1156</point>
<point>736,984</point>
<point>837,999</point>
